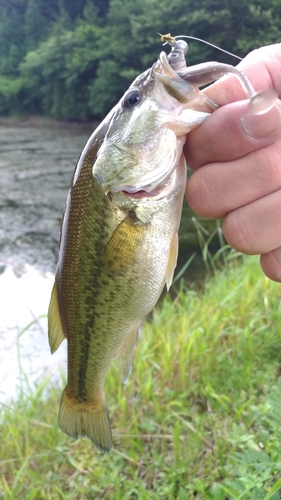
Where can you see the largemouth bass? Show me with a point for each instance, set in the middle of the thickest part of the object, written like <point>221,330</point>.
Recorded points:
<point>119,238</point>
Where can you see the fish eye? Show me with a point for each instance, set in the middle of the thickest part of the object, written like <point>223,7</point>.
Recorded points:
<point>132,98</point>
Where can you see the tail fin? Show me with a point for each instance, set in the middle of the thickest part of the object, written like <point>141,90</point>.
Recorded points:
<point>82,418</point>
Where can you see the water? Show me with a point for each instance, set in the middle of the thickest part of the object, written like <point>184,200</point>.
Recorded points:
<point>25,355</point>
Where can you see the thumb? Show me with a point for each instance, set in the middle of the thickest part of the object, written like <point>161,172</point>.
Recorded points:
<point>265,124</point>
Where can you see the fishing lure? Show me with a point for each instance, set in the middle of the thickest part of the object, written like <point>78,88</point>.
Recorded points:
<point>208,72</point>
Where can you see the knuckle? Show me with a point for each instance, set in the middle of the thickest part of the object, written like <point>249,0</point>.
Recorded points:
<point>239,232</point>
<point>271,264</point>
<point>268,168</point>
<point>201,195</point>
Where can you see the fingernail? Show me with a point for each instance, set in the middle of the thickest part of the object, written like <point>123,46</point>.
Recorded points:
<point>262,119</point>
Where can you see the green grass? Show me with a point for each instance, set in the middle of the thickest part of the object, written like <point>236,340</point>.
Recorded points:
<point>200,417</point>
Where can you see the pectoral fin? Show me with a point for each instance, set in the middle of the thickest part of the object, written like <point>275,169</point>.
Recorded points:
<point>172,262</point>
<point>55,331</point>
<point>125,356</point>
<point>121,249</point>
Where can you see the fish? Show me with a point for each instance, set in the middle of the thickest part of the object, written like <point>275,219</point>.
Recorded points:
<point>119,239</point>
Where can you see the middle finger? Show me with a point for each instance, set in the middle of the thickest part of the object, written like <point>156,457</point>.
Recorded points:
<point>218,188</point>
<point>222,136</point>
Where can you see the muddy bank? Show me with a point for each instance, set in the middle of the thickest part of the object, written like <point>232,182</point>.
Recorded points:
<point>36,166</point>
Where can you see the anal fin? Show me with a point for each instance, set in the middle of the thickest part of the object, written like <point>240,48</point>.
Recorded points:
<point>125,355</point>
<point>172,262</point>
<point>55,330</point>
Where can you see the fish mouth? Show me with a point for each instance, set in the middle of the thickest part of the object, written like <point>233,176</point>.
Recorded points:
<point>141,193</point>
<point>163,189</point>
<point>155,190</point>
<point>163,66</point>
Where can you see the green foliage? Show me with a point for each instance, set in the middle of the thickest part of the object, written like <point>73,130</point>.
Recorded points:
<point>11,94</point>
<point>199,417</point>
<point>59,71</point>
<point>116,39</point>
<point>254,471</point>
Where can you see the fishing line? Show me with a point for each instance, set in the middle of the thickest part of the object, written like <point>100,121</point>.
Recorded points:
<point>207,43</point>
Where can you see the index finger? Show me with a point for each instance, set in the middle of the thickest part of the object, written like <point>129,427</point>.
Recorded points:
<point>225,134</point>
<point>262,67</point>
<point>222,137</point>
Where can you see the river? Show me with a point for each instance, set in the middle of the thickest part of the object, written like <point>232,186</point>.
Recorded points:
<point>36,166</point>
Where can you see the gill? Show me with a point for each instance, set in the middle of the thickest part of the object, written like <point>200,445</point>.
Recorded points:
<point>208,72</point>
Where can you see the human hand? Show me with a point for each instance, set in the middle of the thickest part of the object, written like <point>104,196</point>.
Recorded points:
<point>236,156</point>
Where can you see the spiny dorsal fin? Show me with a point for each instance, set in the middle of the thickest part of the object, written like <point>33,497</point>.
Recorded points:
<point>125,355</point>
<point>55,331</point>
<point>172,262</point>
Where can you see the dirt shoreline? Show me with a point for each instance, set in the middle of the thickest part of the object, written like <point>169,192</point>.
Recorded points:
<point>42,121</point>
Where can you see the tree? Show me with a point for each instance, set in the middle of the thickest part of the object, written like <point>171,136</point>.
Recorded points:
<point>36,25</point>
<point>59,72</point>
<point>12,48</point>
<point>75,58</point>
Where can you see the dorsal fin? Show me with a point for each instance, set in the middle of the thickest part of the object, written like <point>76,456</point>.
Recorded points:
<point>55,330</point>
